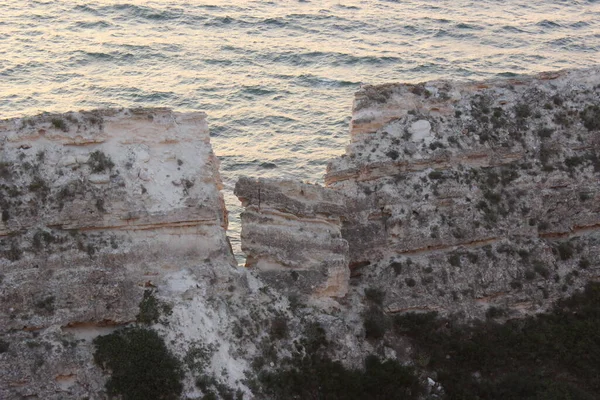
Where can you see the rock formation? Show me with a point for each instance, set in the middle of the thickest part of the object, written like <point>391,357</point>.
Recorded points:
<point>464,196</point>
<point>291,233</point>
<point>97,208</point>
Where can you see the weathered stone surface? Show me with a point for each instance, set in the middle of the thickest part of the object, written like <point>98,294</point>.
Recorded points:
<point>462,196</point>
<point>291,234</point>
<point>96,208</point>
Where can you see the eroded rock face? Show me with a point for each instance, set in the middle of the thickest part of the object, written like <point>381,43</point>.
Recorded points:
<point>98,207</point>
<point>464,196</point>
<point>291,234</point>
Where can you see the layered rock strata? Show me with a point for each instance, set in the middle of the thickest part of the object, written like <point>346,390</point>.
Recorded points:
<point>291,233</point>
<point>466,196</point>
<point>97,208</point>
<point>459,197</point>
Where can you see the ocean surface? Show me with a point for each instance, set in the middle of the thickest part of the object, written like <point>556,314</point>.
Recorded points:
<point>276,77</point>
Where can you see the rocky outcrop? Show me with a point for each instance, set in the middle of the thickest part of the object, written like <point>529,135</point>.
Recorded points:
<point>465,196</point>
<point>291,235</point>
<point>456,197</point>
<point>97,208</point>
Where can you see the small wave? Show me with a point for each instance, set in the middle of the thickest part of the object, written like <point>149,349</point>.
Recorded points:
<point>86,9</point>
<point>274,21</point>
<point>512,29</point>
<point>507,74</point>
<point>144,12</point>
<point>257,90</point>
<point>225,21</point>
<point>215,61</point>
<point>474,27</point>
<point>342,6</point>
<point>580,24</point>
<point>548,24</point>
<point>153,97</point>
<point>91,24</point>
<point>317,81</point>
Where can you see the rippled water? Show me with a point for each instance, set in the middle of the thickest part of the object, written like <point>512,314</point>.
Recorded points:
<point>275,77</point>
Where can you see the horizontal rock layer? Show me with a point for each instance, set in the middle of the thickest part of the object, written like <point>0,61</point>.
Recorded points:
<point>291,234</point>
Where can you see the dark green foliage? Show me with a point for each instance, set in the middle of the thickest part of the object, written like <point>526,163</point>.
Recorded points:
<point>140,365</point>
<point>585,196</point>
<point>436,175</point>
<point>375,323</point>
<point>393,154</point>
<point>541,269</point>
<point>46,304</point>
<point>397,267</point>
<point>279,328</point>
<point>4,346</point>
<point>317,377</point>
<point>41,238</point>
<point>215,390</point>
<point>198,357</point>
<point>14,253</point>
<point>436,145</point>
<point>38,185</point>
<point>495,312</point>
<point>410,282</point>
<point>59,123</point>
<point>565,250</point>
<point>584,263</point>
<point>530,275</point>
<point>99,162</point>
<point>454,259</point>
<point>5,170</point>
<point>522,110</point>
<point>549,356</point>
<point>151,308</point>
<point>492,197</point>
<point>375,295</point>
<point>591,117</point>
<point>545,133</point>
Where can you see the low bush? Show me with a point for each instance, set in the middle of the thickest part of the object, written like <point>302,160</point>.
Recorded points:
<point>549,356</point>
<point>140,365</point>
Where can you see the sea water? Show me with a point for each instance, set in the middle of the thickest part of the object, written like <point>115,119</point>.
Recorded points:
<point>276,77</point>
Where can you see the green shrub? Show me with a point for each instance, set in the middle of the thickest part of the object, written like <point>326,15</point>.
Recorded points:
<point>99,162</point>
<point>318,377</point>
<point>591,117</point>
<point>151,308</point>
<point>4,346</point>
<point>375,295</point>
<point>547,356</point>
<point>375,323</point>
<point>436,175</point>
<point>59,123</point>
<point>140,365</point>
<point>565,250</point>
<point>279,328</point>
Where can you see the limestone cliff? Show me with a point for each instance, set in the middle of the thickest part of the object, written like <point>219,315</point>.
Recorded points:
<point>464,196</point>
<point>291,233</point>
<point>97,208</point>
<point>469,199</point>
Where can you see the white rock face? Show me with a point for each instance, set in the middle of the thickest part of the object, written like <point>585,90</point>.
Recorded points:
<point>421,131</point>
